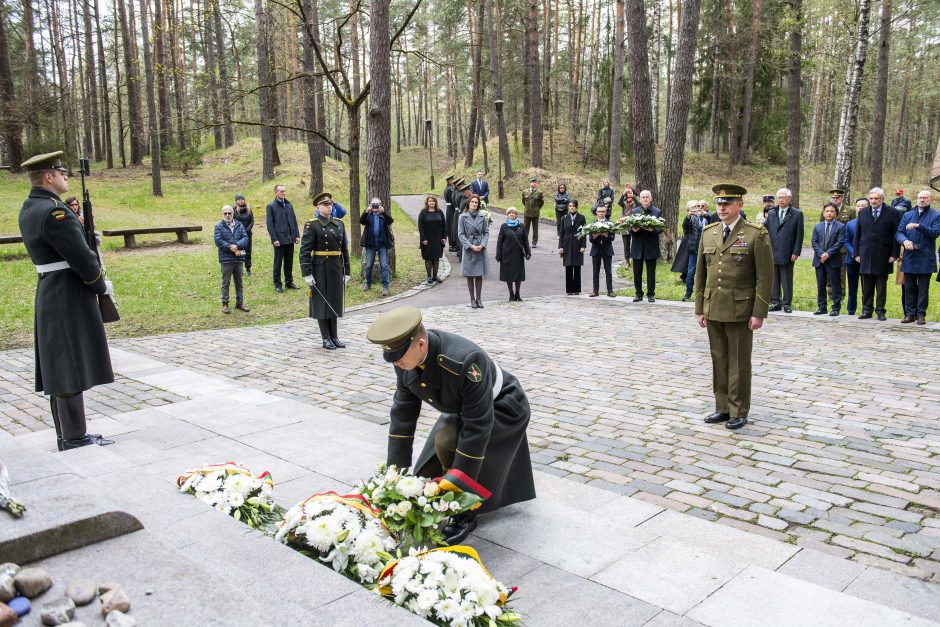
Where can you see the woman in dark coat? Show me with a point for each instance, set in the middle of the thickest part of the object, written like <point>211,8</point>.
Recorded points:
<point>324,264</point>
<point>561,205</point>
<point>606,191</point>
<point>246,217</point>
<point>512,250</point>
<point>432,233</point>
<point>571,247</point>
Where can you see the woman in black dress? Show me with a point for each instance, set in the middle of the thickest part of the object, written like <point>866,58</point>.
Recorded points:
<point>432,233</point>
<point>512,249</point>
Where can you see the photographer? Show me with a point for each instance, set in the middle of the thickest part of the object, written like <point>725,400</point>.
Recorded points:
<point>376,238</point>
<point>231,240</point>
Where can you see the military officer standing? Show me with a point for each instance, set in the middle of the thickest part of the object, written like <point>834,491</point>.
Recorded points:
<point>532,202</point>
<point>479,442</point>
<point>733,278</point>
<point>70,345</point>
<point>450,209</point>
<point>324,264</point>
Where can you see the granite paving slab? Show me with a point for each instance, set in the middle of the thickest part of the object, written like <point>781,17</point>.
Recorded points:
<point>902,593</point>
<point>822,569</point>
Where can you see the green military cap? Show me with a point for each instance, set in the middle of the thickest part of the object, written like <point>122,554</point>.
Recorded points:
<point>465,187</point>
<point>533,180</point>
<point>395,330</point>
<point>48,161</point>
<point>728,192</point>
<point>323,198</point>
<point>837,192</point>
<point>449,178</point>
<point>459,181</point>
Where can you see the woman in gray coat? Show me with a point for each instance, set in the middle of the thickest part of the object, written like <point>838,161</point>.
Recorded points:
<point>473,231</point>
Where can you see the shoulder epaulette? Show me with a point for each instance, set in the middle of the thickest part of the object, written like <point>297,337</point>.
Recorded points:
<point>449,364</point>
<point>712,225</point>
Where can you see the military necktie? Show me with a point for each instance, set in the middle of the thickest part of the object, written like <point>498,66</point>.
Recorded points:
<point>727,233</point>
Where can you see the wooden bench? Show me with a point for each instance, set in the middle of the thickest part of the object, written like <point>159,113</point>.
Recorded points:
<point>10,239</point>
<point>182,233</point>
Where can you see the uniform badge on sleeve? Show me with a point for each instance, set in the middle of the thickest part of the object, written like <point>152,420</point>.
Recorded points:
<point>474,373</point>
<point>59,214</point>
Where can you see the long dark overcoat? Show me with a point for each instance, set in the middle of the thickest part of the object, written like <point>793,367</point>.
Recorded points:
<point>512,249</point>
<point>70,344</point>
<point>875,240</point>
<point>462,382</point>
<point>569,242</point>
<point>645,244</point>
<point>325,236</point>
<point>432,228</point>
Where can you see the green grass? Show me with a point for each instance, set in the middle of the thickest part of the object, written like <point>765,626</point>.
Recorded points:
<point>668,287</point>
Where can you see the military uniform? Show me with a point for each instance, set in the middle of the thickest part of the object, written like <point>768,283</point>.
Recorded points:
<point>479,443</point>
<point>70,345</point>
<point>532,201</point>
<point>324,255</point>
<point>449,209</point>
<point>733,278</point>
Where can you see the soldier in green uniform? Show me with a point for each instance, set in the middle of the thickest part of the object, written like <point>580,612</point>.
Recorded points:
<point>532,200</point>
<point>324,264</point>
<point>733,277</point>
<point>70,345</point>
<point>479,443</point>
<point>845,212</point>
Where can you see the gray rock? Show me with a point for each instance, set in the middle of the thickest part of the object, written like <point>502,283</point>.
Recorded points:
<point>115,599</point>
<point>82,591</point>
<point>31,582</point>
<point>117,618</point>
<point>7,587</point>
<point>108,585</point>
<point>57,612</point>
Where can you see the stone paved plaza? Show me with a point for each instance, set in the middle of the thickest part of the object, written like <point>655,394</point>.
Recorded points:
<point>842,455</point>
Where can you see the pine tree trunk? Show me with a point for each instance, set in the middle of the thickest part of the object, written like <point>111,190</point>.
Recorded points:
<point>270,78</point>
<point>134,122</point>
<point>267,139</point>
<point>65,100</point>
<point>31,80</point>
<point>314,143</point>
<point>745,147</point>
<point>151,103</point>
<point>159,58</point>
<point>211,57</point>
<point>496,78</point>
<point>92,81</point>
<point>526,89</point>
<point>476,56</point>
<point>535,83</point>
<point>677,121</point>
<point>881,97</point>
<point>848,122</point>
<point>224,93</point>
<point>176,69</point>
<point>10,126</point>
<point>378,120</point>
<point>794,103</point>
<point>616,105</point>
<point>106,108</point>
<point>644,147</point>
<point>117,94</point>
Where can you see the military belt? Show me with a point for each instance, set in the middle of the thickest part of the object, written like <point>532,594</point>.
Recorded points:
<point>326,253</point>
<point>498,385</point>
<point>46,268</point>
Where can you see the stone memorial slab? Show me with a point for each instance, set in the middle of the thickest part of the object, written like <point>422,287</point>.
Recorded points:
<point>362,607</point>
<point>761,597</point>
<point>822,569</point>
<point>185,382</point>
<point>506,565</point>
<point>907,594</point>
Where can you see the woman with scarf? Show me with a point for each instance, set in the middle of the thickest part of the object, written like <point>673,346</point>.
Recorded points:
<point>473,232</point>
<point>561,205</point>
<point>512,250</point>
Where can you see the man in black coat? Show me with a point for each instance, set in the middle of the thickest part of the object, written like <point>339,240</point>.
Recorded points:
<point>644,248</point>
<point>785,226</point>
<point>479,442</point>
<point>282,228</point>
<point>71,349</point>
<point>876,251</point>
<point>324,265</point>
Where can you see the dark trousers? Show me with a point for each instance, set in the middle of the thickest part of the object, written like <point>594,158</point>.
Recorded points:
<point>558,216</point>
<point>783,281</point>
<point>452,242</point>
<point>730,344</point>
<point>328,328</point>
<point>597,260</point>
<point>851,286</point>
<point>872,283</point>
<point>248,253</point>
<point>532,223</point>
<point>572,279</point>
<point>916,290</point>
<point>825,273</point>
<point>650,276</point>
<point>284,254</point>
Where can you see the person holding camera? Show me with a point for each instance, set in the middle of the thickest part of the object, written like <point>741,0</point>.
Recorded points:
<point>232,241</point>
<point>376,238</point>
<point>695,221</point>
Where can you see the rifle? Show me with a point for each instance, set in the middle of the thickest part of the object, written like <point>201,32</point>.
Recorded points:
<point>109,311</point>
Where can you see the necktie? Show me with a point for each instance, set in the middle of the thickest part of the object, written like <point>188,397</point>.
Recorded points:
<point>727,233</point>
<point>826,241</point>
<point>877,213</point>
<point>783,215</point>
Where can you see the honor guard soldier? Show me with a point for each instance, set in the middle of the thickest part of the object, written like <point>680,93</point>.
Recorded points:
<point>450,210</point>
<point>324,264</point>
<point>733,278</point>
<point>479,442</point>
<point>71,348</point>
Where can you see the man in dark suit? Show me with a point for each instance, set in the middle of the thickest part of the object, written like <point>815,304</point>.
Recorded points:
<point>828,238</point>
<point>481,187</point>
<point>917,233</point>
<point>876,251</point>
<point>602,252</point>
<point>785,226</point>
<point>284,233</point>
<point>644,249</point>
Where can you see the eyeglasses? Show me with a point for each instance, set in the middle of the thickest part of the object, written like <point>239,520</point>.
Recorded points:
<point>226,213</point>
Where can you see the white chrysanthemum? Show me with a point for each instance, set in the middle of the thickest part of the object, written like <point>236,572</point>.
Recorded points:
<point>410,486</point>
<point>431,489</point>
<point>210,483</point>
<point>321,532</point>
<point>432,567</point>
<point>239,483</point>
<point>451,583</point>
<point>415,584</point>
<point>367,546</point>
<point>225,508</point>
<point>425,602</point>
<point>391,475</point>
<point>403,508</point>
<point>447,609</point>
<point>235,499</point>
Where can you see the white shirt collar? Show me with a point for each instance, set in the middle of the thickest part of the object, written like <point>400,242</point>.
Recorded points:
<point>734,224</point>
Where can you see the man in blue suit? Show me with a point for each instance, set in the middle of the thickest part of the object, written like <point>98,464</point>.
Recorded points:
<point>851,266</point>
<point>284,233</point>
<point>917,233</point>
<point>480,187</point>
<point>828,238</point>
